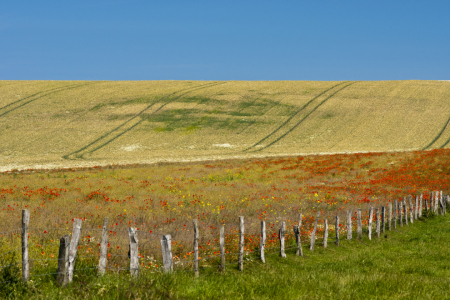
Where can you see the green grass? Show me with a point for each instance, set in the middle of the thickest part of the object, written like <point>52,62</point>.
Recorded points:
<point>408,263</point>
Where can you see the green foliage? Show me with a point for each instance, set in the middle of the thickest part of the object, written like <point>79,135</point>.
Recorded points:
<point>11,282</point>
<point>230,176</point>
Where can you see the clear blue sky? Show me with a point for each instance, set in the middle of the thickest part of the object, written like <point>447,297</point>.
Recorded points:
<point>224,40</point>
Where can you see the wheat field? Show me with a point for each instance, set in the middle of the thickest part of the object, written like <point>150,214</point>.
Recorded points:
<point>54,124</point>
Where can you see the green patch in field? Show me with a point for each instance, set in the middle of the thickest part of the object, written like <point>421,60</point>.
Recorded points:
<point>190,120</point>
<point>191,129</point>
<point>327,116</point>
<point>163,129</point>
<point>199,100</point>
<point>308,91</point>
<point>120,117</point>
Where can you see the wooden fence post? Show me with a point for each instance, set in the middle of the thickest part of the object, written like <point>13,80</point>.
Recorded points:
<point>370,222</point>
<point>166,248</point>
<point>420,205</point>
<point>431,200</point>
<point>241,243</point>
<point>134,252</point>
<point>390,215</point>
<point>349,224</point>
<point>282,234</point>
<point>313,234</point>
<point>377,216</point>
<point>262,243</point>
<point>222,247</point>
<point>25,264</point>
<point>103,249</point>
<point>336,228</point>
<point>73,248</point>
<point>63,259</point>
<point>196,237</point>
<point>436,201</point>
<point>383,218</point>
<point>405,210</point>
<point>359,223</point>
<point>395,213</point>
<point>441,199</point>
<point>298,236</point>
<point>411,210</point>
<point>416,207</point>
<point>325,234</point>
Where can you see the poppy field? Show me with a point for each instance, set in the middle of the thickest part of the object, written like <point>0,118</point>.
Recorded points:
<point>165,198</point>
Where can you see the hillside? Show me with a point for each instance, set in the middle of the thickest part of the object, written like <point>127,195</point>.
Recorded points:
<point>70,123</point>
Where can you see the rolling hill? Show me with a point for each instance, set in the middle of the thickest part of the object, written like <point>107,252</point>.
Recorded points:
<point>52,124</point>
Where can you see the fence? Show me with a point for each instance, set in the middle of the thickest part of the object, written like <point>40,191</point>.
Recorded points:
<point>402,213</point>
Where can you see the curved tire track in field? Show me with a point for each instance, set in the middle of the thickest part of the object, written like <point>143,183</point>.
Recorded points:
<point>129,124</point>
<point>301,121</point>
<point>19,103</point>
<point>290,118</point>
<point>438,136</point>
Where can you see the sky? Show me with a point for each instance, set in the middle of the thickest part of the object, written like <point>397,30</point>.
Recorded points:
<point>225,40</point>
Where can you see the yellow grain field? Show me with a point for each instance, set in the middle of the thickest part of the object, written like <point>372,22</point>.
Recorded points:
<point>52,124</point>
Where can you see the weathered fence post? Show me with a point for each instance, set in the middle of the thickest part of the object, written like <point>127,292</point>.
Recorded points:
<point>222,247</point>
<point>416,207</point>
<point>196,237</point>
<point>63,257</point>
<point>390,215</point>
<point>241,244</point>
<point>436,200</point>
<point>383,218</point>
<point>395,213</point>
<point>25,224</point>
<point>444,203</point>
<point>377,215</point>
<point>313,234</point>
<point>298,236</point>
<point>282,234</point>
<point>431,200</point>
<point>406,210</point>
<point>134,252</point>
<point>166,248</point>
<point>73,248</point>
<point>400,210</point>
<point>325,234</point>
<point>441,200</point>
<point>370,222</point>
<point>349,224</point>
<point>411,210</point>
<point>103,248</point>
<point>420,205</point>
<point>262,242</point>
<point>336,228</point>
<point>359,223</point>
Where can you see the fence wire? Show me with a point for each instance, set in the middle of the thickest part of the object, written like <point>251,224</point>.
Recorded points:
<point>180,265</point>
